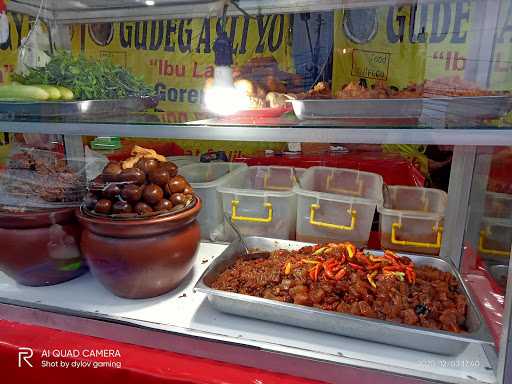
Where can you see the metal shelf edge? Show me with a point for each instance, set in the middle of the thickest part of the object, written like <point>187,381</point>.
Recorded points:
<point>472,136</point>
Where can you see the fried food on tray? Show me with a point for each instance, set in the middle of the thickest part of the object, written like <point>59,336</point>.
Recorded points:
<point>453,86</point>
<point>340,277</point>
<point>445,86</point>
<point>261,76</point>
<point>321,90</point>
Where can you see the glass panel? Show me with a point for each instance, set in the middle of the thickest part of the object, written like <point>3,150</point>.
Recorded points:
<point>412,65</point>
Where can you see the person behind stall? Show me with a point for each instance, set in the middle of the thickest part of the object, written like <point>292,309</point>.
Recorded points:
<point>433,161</point>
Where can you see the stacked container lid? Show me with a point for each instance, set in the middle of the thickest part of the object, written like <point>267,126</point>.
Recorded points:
<point>336,204</point>
<point>205,178</point>
<point>411,219</point>
<point>261,202</point>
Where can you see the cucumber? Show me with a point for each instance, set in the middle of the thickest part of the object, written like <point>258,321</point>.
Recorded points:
<point>66,93</point>
<point>23,92</point>
<point>52,91</point>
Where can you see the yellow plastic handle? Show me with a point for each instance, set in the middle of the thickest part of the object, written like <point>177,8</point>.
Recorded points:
<point>350,227</point>
<point>437,244</point>
<point>234,216</point>
<point>357,192</point>
<point>494,252</point>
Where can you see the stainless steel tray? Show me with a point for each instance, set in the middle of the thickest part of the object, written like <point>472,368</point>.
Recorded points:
<point>77,108</point>
<point>437,107</point>
<point>386,332</point>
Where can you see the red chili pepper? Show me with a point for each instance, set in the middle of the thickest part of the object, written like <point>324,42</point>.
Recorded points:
<point>412,274</point>
<point>377,259</point>
<point>361,257</point>
<point>356,266</point>
<point>392,254</point>
<point>393,268</point>
<point>340,274</point>
<point>372,267</point>
<point>409,275</point>
<point>391,259</point>
<point>329,273</point>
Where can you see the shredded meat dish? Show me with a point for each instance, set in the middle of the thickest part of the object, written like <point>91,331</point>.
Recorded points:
<point>341,278</point>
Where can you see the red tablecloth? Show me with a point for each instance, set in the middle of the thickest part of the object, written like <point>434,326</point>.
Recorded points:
<point>392,167</point>
<point>489,296</point>
<point>138,365</point>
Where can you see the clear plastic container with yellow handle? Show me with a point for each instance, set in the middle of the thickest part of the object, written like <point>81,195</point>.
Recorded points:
<point>261,202</point>
<point>337,204</point>
<point>411,219</point>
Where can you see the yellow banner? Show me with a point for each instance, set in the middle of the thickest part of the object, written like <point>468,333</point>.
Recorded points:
<point>407,44</point>
<point>501,75</point>
<point>177,57</point>
<point>18,28</point>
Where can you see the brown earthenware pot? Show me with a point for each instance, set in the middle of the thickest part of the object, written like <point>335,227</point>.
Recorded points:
<point>40,247</point>
<point>139,259</point>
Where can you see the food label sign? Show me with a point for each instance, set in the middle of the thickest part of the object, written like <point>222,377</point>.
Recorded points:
<point>370,64</point>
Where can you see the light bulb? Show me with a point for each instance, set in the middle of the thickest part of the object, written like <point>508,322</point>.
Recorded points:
<point>222,98</point>
<point>149,3</point>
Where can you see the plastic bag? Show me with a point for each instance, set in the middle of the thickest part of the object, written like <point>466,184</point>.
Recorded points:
<point>32,52</point>
<point>41,179</point>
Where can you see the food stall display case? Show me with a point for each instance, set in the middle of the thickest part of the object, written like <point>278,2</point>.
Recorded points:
<point>359,102</point>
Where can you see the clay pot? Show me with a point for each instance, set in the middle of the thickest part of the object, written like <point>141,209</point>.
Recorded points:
<point>141,258</point>
<point>40,247</point>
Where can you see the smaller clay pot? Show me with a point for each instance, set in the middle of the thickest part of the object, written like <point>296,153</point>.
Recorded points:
<point>40,247</point>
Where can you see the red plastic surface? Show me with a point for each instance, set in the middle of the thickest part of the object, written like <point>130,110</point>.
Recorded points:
<point>392,167</point>
<point>500,177</point>
<point>139,365</point>
<point>162,147</point>
<point>488,294</point>
<point>264,112</point>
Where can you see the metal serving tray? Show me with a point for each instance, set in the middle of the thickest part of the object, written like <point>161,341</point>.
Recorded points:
<point>77,108</point>
<point>436,107</point>
<point>386,332</point>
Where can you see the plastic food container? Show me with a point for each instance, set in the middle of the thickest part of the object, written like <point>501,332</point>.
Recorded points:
<point>204,179</point>
<point>336,204</point>
<point>496,229</point>
<point>411,219</point>
<point>261,202</point>
<point>181,161</point>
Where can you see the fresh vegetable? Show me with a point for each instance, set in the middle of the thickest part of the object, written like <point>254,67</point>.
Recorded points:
<point>66,93</point>
<point>52,91</point>
<point>23,92</point>
<point>87,78</point>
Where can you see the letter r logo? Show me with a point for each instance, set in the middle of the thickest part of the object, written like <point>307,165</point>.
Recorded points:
<point>24,354</point>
